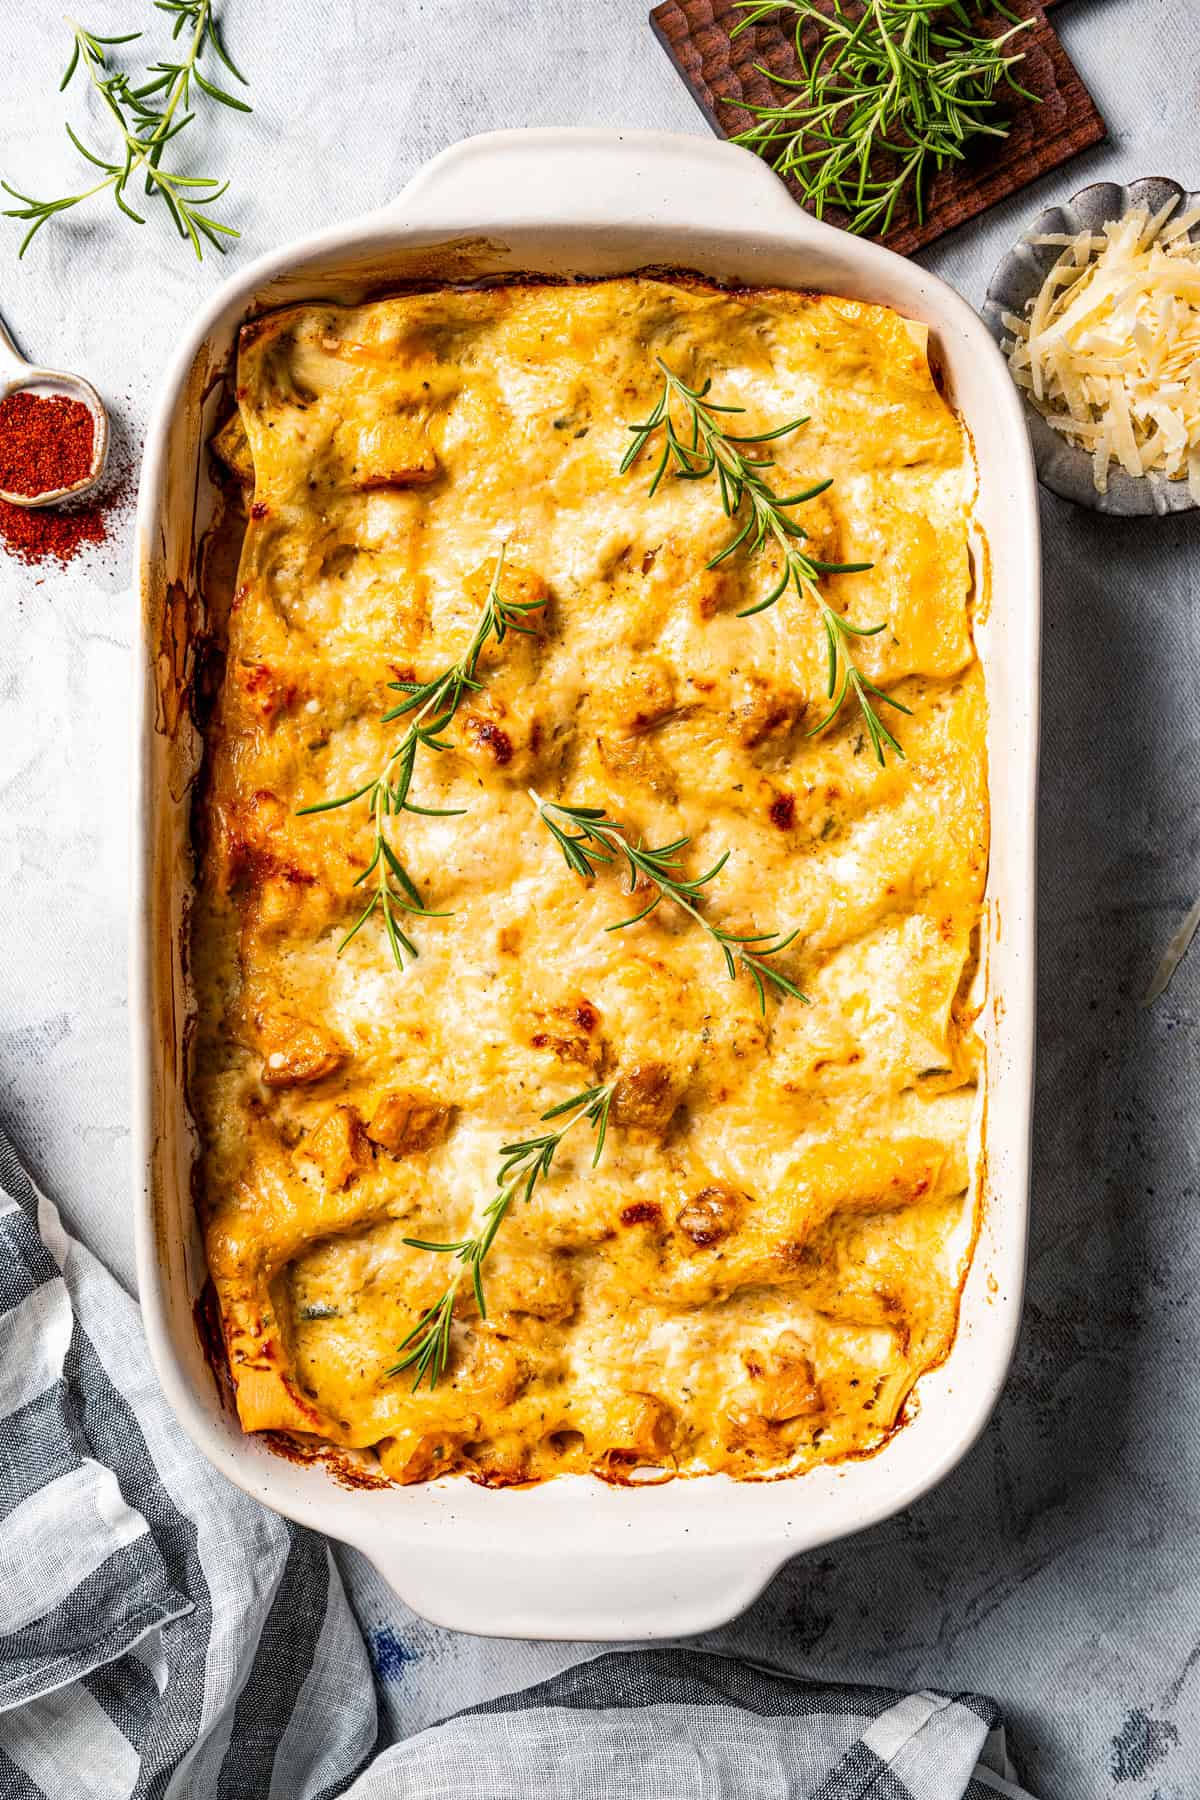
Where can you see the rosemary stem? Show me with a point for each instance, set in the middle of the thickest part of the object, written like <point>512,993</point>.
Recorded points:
<point>142,148</point>
<point>881,106</point>
<point>522,1166</point>
<point>711,448</point>
<point>428,708</point>
<point>147,117</point>
<point>610,841</point>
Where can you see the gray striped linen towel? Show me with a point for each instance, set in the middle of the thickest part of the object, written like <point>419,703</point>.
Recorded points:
<point>162,1635</point>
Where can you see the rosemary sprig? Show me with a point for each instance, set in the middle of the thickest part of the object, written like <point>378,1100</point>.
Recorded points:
<point>148,117</point>
<point>522,1165</point>
<point>597,839</point>
<point>890,91</point>
<point>708,448</point>
<point>430,707</point>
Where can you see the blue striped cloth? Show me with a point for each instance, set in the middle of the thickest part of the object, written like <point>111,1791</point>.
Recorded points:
<point>162,1635</point>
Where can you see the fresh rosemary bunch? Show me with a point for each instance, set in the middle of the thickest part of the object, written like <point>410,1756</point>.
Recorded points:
<point>598,839</point>
<point>148,117</point>
<point>708,448</point>
<point>429,707</point>
<point>890,91</point>
<point>522,1165</point>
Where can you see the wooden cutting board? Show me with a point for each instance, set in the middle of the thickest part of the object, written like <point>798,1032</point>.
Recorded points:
<point>723,78</point>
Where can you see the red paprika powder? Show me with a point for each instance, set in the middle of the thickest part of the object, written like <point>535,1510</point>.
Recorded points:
<point>54,533</point>
<point>45,442</point>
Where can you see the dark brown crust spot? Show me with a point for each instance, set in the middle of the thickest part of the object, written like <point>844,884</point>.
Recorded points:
<point>491,737</point>
<point>646,1096</point>
<point>710,1216</point>
<point>568,1031</point>
<point>782,811</point>
<point>500,1475</point>
<point>642,1212</point>
<point>407,1122</point>
<point>264,689</point>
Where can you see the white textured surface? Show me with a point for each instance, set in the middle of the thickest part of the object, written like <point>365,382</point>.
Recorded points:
<point>1059,1569</point>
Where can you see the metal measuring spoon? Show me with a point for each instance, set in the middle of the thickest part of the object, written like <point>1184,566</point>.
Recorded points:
<point>16,373</point>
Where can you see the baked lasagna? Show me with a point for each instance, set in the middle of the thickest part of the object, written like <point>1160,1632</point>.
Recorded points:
<point>752,1264</point>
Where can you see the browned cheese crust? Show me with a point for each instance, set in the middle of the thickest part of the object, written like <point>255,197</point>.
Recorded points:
<point>770,1251</point>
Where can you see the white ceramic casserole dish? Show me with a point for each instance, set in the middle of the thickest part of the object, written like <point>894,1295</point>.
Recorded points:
<point>576,1558</point>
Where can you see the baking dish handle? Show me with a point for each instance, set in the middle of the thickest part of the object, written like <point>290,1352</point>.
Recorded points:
<point>671,1592</point>
<point>582,176</point>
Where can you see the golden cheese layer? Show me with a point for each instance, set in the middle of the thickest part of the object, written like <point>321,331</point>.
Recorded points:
<point>770,1251</point>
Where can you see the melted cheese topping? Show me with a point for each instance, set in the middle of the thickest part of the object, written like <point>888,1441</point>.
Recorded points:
<point>769,1253</point>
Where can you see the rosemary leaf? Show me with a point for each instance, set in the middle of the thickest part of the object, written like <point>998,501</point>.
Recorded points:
<point>429,707</point>
<point>708,448</point>
<point>890,92</point>
<point>523,1165</point>
<point>147,117</point>
<point>588,838</point>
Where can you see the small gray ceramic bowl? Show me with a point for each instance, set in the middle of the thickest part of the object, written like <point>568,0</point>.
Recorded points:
<point>1062,467</point>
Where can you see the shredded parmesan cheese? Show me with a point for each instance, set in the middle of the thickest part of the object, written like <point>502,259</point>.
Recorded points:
<point>1108,353</point>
